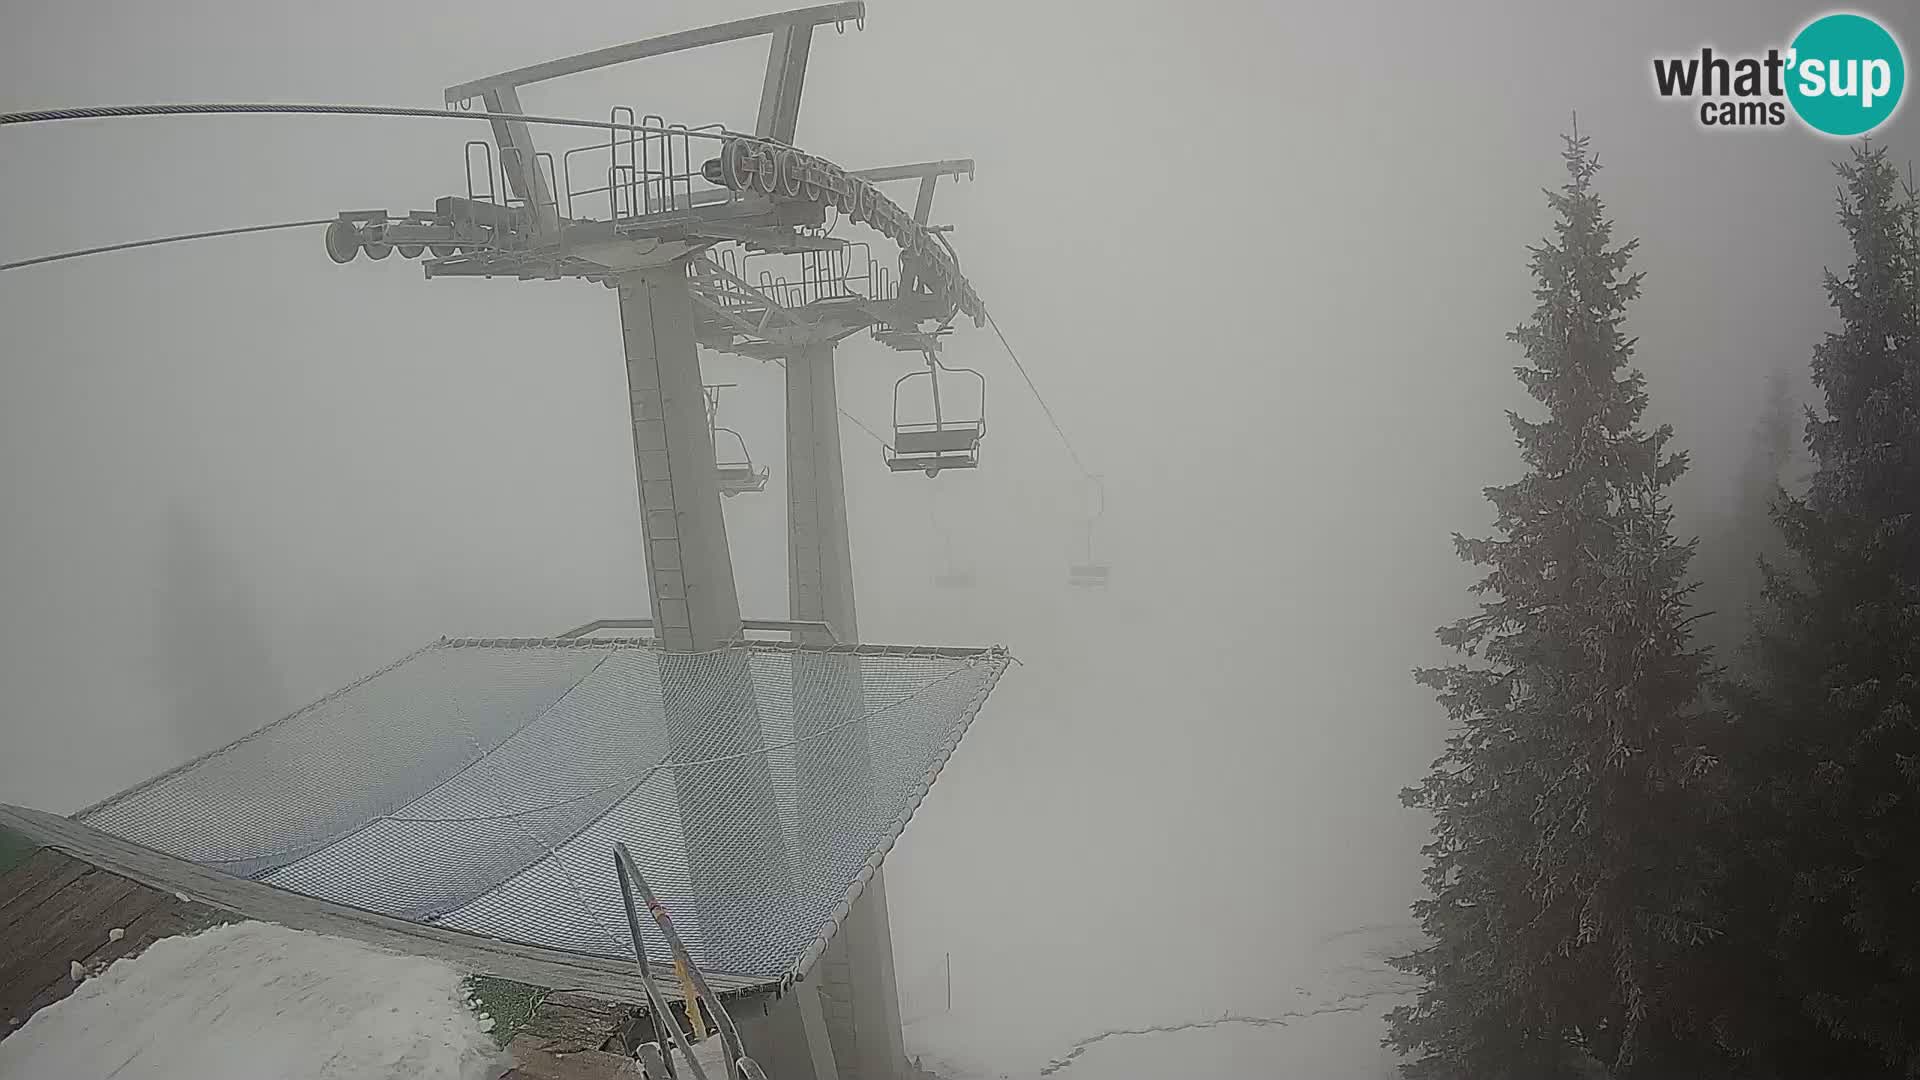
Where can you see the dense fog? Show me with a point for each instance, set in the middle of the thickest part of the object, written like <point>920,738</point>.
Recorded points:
<point>1259,259</point>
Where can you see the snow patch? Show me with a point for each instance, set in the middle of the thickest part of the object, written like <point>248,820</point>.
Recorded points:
<point>254,1001</point>
<point>1325,1022</point>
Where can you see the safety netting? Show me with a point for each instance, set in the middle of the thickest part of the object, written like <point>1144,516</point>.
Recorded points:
<point>480,785</point>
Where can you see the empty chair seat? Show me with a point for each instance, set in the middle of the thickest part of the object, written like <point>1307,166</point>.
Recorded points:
<point>1087,576</point>
<point>930,448</point>
<point>743,479</point>
<point>943,442</point>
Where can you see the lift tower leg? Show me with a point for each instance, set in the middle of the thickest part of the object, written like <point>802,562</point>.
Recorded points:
<point>857,984</point>
<point>735,847</point>
<point>819,554</point>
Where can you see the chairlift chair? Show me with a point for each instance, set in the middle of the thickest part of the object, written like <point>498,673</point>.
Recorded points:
<point>944,443</point>
<point>733,463</point>
<point>1091,573</point>
<point>737,475</point>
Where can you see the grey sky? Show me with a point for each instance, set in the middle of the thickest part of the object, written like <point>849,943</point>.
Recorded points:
<point>1259,257</point>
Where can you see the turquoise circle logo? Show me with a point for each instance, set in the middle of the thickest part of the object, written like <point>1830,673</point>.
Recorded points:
<point>1846,74</point>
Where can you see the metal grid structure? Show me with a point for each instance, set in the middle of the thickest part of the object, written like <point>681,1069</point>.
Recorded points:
<point>704,198</point>
<point>480,785</point>
<point>767,269</point>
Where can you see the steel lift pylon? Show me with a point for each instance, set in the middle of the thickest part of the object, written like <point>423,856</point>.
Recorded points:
<point>674,220</point>
<point>820,581</point>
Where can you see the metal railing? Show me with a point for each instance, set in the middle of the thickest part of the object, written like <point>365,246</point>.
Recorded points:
<point>772,626</point>
<point>630,177</point>
<point>665,1024</point>
<point>498,190</point>
<point>643,174</point>
<point>797,279</point>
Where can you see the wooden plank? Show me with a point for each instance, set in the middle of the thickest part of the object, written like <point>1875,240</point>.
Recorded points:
<point>164,916</point>
<point>68,921</point>
<point>570,1023</point>
<point>77,917</point>
<point>26,938</point>
<point>531,1062</point>
<point>126,915</point>
<point>45,873</point>
<point>171,918</point>
<point>155,915</point>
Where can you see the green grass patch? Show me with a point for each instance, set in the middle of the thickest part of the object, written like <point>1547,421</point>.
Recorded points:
<point>14,849</point>
<point>510,1004</point>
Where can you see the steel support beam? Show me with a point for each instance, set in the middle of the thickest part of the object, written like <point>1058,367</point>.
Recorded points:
<point>792,33</point>
<point>786,76</point>
<point>856,974</point>
<point>520,163</point>
<point>865,940</point>
<point>851,11</point>
<point>736,849</point>
<point>923,205</point>
<point>787,1034</point>
<point>921,170</point>
<point>819,549</point>
<point>689,572</point>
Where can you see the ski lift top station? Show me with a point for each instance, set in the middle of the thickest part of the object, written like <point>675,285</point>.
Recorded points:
<point>674,219</point>
<point>709,237</point>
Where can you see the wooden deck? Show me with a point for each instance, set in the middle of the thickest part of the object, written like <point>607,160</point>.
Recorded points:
<point>60,903</point>
<point>56,910</point>
<point>58,907</point>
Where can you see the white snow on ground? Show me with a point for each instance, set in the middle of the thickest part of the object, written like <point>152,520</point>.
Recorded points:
<point>1327,1027</point>
<point>254,1001</point>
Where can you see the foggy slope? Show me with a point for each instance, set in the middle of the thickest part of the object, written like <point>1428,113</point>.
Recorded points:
<point>1328,1025</point>
<point>1260,259</point>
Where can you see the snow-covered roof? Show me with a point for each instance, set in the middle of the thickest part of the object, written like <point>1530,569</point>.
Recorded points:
<point>253,999</point>
<point>479,785</point>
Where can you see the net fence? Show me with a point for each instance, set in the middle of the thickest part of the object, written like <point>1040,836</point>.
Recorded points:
<point>481,785</point>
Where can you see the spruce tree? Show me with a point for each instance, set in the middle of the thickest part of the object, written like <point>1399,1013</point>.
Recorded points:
<point>1561,901</point>
<point>1729,566</point>
<point>1827,752</point>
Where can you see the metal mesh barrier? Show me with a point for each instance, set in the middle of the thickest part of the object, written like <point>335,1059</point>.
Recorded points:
<point>480,785</point>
